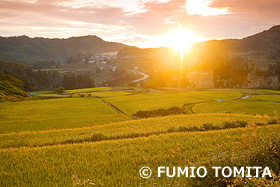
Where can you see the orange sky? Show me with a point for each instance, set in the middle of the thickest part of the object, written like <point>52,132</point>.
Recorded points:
<point>144,23</point>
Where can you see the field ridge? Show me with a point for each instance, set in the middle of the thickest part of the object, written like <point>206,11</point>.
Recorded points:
<point>35,166</point>
<point>134,129</point>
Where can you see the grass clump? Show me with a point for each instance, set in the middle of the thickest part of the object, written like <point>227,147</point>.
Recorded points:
<point>160,112</point>
<point>242,154</point>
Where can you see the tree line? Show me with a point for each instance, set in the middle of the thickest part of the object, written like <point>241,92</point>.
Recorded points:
<point>72,81</point>
<point>28,80</point>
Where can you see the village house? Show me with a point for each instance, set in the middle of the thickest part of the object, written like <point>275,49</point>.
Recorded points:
<point>200,79</point>
<point>254,81</point>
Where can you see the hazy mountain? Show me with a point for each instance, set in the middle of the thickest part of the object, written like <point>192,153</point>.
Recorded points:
<point>268,39</point>
<point>29,50</point>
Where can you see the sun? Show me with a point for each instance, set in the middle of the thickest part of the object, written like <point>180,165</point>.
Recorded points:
<point>182,40</point>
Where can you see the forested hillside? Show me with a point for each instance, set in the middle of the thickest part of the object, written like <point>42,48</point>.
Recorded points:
<point>29,50</point>
<point>19,71</point>
<point>43,80</point>
<point>266,40</point>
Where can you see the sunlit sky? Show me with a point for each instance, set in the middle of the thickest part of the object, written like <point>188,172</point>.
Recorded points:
<point>143,23</point>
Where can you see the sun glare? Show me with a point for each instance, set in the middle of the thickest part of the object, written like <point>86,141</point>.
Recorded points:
<point>182,40</point>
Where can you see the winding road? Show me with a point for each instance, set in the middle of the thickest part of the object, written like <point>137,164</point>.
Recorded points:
<point>145,76</point>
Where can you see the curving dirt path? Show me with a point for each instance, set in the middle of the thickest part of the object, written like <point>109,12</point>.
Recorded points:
<point>116,109</point>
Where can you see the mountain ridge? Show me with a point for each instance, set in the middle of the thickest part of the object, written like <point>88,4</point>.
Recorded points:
<point>29,50</point>
<point>267,39</point>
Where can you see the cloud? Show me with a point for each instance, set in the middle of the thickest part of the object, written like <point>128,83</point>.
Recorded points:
<point>153,21</point>
<point>52,1</point>
<point>51,19</point>
<point>201,7</point>
<point>132,22</point>
<point>102,15</point>
<point>269,10</point>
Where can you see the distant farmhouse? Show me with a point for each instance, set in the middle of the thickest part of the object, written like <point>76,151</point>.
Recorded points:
<point>255,81</point>
<point>200,79</point>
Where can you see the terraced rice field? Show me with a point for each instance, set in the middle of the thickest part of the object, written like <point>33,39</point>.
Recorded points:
<point>150,101</point>
<point>117,163</point>
<point>130,129</point>
<point>58,113</point>
<point>88,141</point>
